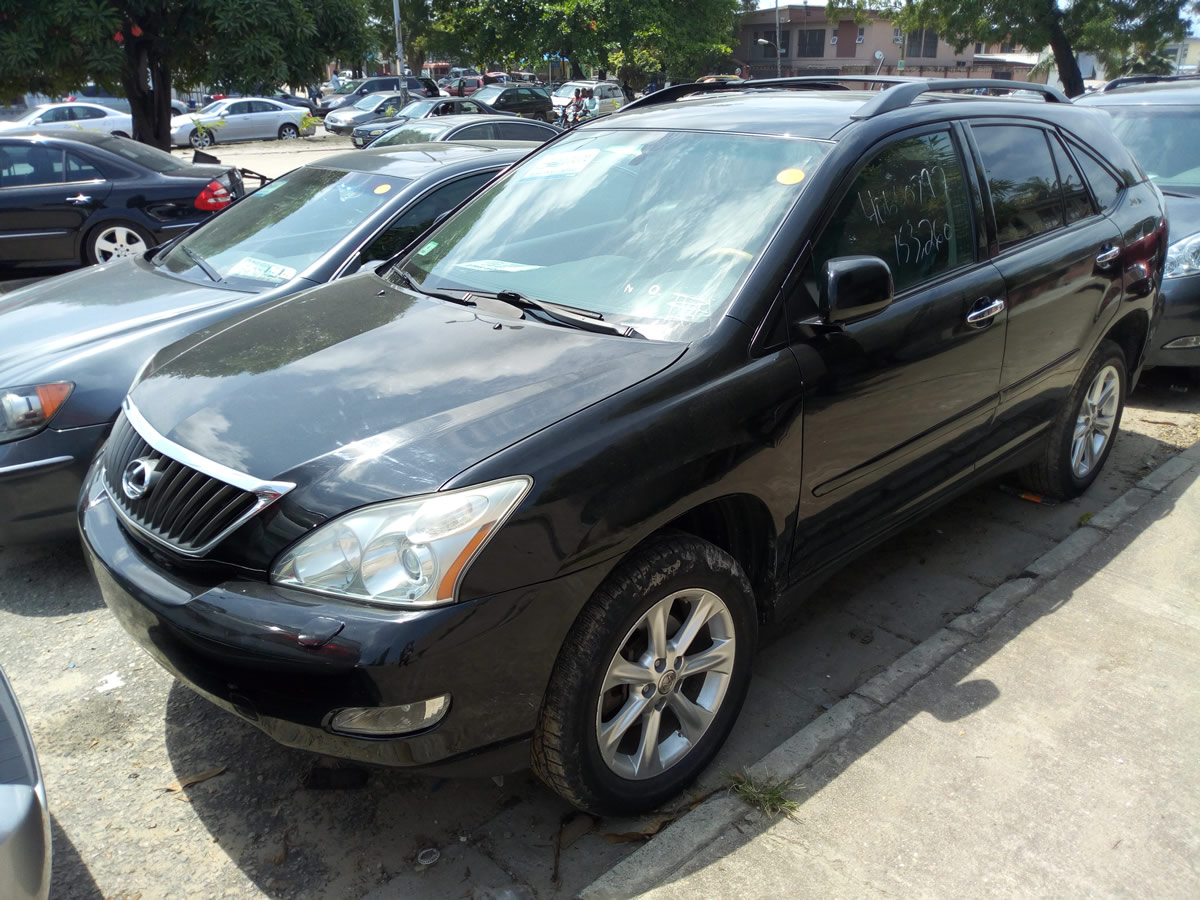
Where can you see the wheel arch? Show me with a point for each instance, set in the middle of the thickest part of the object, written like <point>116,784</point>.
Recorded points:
<point>1130,333</point>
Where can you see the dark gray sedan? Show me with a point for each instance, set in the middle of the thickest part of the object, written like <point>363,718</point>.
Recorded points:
<point>368,109</point>
<point>24,817</point>
<point>467,128</point>
<point>71,345</point>
<point>424,108</point>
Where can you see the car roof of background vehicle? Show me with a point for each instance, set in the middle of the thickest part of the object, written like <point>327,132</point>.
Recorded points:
<point>822,112</point>
<point>412,161</point>
<point>95,138</point>
<point>1180,92</point>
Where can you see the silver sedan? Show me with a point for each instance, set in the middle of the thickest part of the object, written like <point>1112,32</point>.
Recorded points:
<point>64,116</point>
<point>238,119</point>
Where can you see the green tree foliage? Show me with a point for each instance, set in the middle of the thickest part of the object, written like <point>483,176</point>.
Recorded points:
<point>1067,28</point>
<point>142,47</point>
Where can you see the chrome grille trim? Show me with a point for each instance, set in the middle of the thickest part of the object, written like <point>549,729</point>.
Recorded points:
<point>197,502</point>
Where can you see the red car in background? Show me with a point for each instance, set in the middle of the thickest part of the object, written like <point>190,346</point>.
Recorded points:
<point>465,86</point>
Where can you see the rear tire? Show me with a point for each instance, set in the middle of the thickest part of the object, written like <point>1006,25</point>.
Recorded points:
<point>540,116</point>
<point>650,679</point>
<point>120,134</point>
<point>1085,428</point>
<point>116,239</point>
<point>288,132</point>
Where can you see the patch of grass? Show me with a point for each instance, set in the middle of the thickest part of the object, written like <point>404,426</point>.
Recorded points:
<point>767,796</point>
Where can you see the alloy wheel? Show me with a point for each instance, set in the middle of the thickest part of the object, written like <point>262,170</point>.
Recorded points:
<point>288,133</point>
<point>665,684</point>
<point>200,141</point>
<point>1094,424</point>
<point>118,241</point>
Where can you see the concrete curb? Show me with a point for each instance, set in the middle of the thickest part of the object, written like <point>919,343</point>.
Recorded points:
<point>670,850</point>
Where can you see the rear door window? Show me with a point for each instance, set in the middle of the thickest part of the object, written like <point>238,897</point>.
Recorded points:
<point>1026,197</point>
<point>86,112</point>
<point>481,132</point>
<point>909,207</point>
<point>79,169</point>
<point>1106,187</point>
<point>27,165</point>
<point>1075,193</point>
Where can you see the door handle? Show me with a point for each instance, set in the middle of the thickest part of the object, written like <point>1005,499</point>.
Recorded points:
<point>1107,256</point>
<point>985,313</point>
<point>79,198</point>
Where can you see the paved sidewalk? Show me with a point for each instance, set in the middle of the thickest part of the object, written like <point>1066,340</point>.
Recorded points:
<point>1052,754</point>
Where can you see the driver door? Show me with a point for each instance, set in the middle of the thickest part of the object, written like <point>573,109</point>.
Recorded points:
<point>897,405</point>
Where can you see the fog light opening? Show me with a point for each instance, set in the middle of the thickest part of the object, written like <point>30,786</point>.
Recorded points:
<point>1183,343</point>
<point>391,721</point>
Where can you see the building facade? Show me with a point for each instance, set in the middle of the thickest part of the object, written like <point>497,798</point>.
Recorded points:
<point>810,44</point>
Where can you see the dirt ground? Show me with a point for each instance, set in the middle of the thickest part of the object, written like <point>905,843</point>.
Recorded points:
<point>116,735</point>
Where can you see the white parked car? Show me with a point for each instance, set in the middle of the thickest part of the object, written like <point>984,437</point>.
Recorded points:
<point>238,119</point>
<point>607,93</point>
<point>79,116</point>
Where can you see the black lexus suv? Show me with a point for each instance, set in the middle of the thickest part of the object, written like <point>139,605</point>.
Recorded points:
<point>524,494</point>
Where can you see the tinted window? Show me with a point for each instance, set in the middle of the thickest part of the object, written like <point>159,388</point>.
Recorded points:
<point>420,216</point>
<point>22,165</point>
<point>523,131</point>
<point>79,169</point>
<point>480,132</point>
<point>1075,194</point>
<point>86,112</point>
<point>151,157</point>
<point>412,133</point>
<point>57,114</point>
<point>1026,198</point>
<point>468,106</point>
<point>262,106</point>
<point>238,109</point>
<point>908,207</point>
<point>1106,187</point>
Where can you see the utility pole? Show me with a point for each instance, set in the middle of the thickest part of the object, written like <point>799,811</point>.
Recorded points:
<point>399,39</point>
<point>778,62</point>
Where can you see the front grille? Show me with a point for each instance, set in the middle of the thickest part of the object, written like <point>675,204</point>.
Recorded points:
<point>184,508</point>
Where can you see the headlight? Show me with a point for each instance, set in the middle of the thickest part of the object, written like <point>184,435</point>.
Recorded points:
<point>375,132</point>
<point>27,410</point>
<point>1183,257</point>
<point>404,552</point>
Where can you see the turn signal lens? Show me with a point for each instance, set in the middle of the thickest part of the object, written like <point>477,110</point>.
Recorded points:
<point>392,720</point>
<point>215,196</point>
<point>1183,343</point>
<point>27,410</point>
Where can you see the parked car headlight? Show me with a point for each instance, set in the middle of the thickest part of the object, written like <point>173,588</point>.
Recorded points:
<point>27,410</point>
<point>375,132</point>
<point>1183,257</point>
<point>404,552</point>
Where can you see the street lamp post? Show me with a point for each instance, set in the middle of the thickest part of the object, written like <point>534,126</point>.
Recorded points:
<point>765,43</point>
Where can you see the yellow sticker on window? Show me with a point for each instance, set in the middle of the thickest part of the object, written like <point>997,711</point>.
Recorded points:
<point>382,188</point>
<point>790,176</point>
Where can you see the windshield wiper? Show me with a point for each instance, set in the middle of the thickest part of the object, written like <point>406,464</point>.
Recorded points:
<point>204,266</point>
<point>570,316</point>
<point>398,274</point>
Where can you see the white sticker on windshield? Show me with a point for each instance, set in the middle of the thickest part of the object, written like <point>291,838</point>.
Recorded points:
<point>261,270</point>
<point>686,308</point>
<point>496,265</point>
<point>559,165</point>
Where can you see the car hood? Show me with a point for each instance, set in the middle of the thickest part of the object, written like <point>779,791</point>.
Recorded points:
<point>359,390</point>
<point>67,313</point>
<point>1183,216</point>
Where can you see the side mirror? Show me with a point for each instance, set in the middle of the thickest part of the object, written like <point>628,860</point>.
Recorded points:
<point>855,288</point>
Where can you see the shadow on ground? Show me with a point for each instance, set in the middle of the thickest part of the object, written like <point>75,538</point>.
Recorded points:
<point>46,580</point>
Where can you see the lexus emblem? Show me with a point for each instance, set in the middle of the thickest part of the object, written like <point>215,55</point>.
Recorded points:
<point>139,477</point>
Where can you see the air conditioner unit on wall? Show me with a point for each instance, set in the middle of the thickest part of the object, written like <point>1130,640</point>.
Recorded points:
<point>898,39</point>
<point>859,39</point>
<point>833,40</point>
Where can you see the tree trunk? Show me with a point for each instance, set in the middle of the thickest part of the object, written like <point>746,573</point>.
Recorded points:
<point>416,60</point>
<point>150,107</point>
<point>576,71</point>
<point>1064,56</point>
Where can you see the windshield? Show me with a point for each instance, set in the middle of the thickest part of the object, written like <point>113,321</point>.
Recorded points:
<point>368,103</point>
<point>653,229</point>
<point>1165,140</point>
<point>283,227</point>
<point>211,108</point>
<point>417,108</point>
<point>412,133</point>
<point>487,94</point>
<point>568,89</point>
<point>151,157</point>
<point>348,86</point>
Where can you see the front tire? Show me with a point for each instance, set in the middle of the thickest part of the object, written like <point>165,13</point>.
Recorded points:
<point>1084,430</point>
<point>201,141</point>
<point>120,134</point>
<point>288,132</point>
<point>650,679</point>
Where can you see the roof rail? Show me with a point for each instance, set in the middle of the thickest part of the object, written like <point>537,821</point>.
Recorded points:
<point>1126,80</point>
<point>900,91</point>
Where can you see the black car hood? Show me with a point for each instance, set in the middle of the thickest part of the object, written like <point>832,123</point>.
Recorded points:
<point>1183,216</point>
<point>66,314</point>
<point>360,391</point>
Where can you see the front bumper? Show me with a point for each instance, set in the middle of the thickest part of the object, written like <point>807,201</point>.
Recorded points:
<point>40,479</point>
<point>237,643</point>
<point>1180,318</point>
<point>24,816</point>
<point>339,127</point>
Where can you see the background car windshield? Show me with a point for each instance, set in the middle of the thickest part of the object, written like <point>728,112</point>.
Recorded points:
<point>411,133</point>
<point>652,229</point>
<point>568,89</point>
<point>347,87</point>
<point>215,106</point>
<point>144,155</point>
<point>368,103</point>
<point>283,227</point>
<point>417,108</point>
<point>1164,141</point>
<point>487,94</point>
